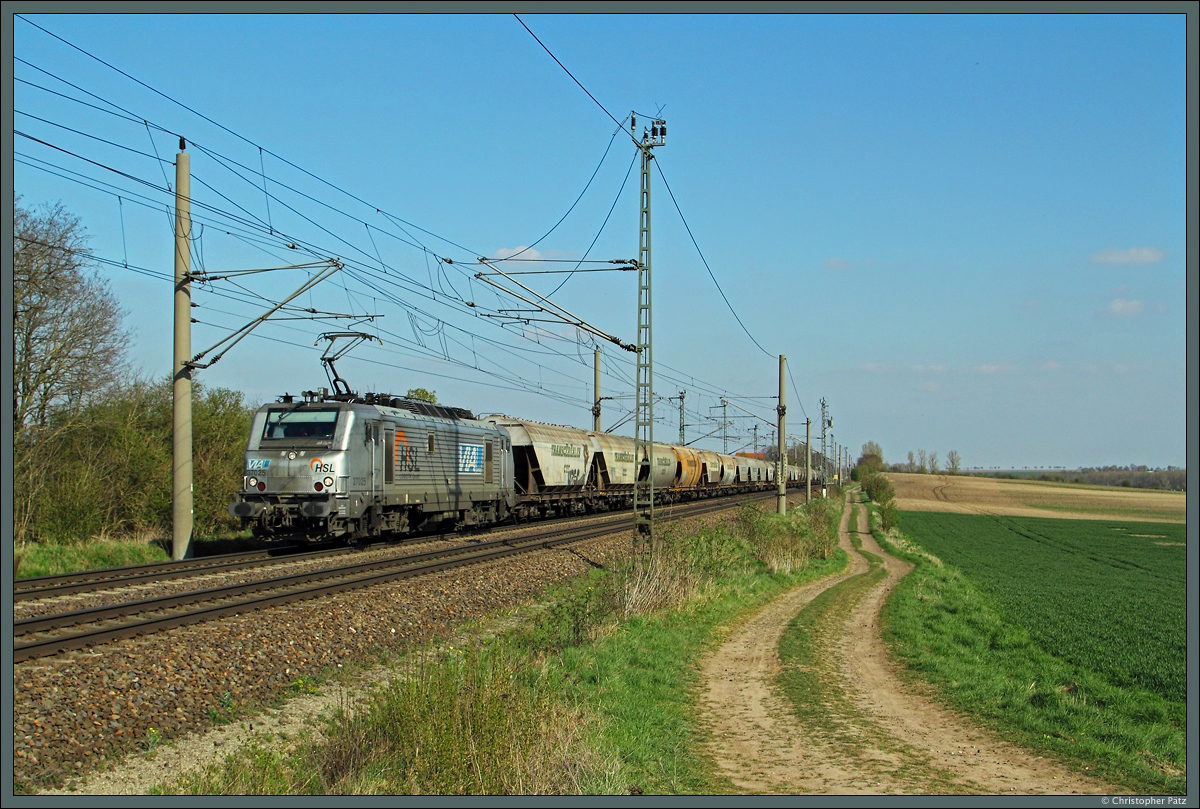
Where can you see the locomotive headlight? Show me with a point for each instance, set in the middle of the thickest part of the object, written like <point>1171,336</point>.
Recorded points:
<point>251,483</point>
<point>328,482</point>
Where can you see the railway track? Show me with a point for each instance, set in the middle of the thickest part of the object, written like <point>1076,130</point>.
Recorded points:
<point>49,634</point>
<point>84,581</point>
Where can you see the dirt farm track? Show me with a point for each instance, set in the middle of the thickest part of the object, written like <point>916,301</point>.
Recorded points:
<point>964,494</point>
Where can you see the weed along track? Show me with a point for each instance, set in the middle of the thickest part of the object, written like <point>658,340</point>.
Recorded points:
<point>802,698</point>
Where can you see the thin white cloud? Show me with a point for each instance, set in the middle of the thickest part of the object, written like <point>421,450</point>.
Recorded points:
<point>1132,255</point>
<point>508,252</point>
<point>994,369</point>
<point>837,263</point>
<point>1123,308</point>
<point>1050,365</point>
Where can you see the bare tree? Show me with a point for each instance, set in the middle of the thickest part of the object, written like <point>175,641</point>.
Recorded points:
<point>933,464</point>
<point>912,465</point>
<point>68,344</point>
<point>921,461</point>
<point>953,463</point>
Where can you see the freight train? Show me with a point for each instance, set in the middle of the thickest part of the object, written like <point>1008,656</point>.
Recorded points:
<point>352,468</point>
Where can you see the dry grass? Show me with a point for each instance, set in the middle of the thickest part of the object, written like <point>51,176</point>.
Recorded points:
<point>963,494</point>
<point>655,583</point>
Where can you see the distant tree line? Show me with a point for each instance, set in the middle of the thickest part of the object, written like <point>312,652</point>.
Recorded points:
<point>926,462</point>
<point>1137,477</point>
<point>92,440</point>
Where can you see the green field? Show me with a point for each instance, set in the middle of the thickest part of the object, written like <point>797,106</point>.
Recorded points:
<point>1110,597</point>
<point>1072,633</point>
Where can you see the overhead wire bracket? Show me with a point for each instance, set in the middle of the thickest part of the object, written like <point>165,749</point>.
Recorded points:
<point>331,266</point>
<point>560,314</point>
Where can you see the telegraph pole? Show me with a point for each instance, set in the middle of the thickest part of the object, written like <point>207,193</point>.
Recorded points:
<point>643,489</point>
<point>181,370</point>
<point>781,463</point>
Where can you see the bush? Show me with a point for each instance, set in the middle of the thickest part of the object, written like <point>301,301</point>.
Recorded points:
<point>107,473</point>
<point>878,488</point>
<point>889,516</point>
<point>786,544</point>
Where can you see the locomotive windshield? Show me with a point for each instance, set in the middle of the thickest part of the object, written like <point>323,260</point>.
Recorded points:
<point>317,424</point>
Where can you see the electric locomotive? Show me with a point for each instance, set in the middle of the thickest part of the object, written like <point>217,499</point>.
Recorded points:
<point>351,468</point>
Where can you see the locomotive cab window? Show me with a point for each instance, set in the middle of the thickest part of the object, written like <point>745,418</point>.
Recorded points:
<point>303,425</point>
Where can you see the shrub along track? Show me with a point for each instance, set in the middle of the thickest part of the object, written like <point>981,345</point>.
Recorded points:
<point>861,731</point>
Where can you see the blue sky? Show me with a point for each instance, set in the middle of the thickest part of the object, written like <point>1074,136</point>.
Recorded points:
<point>965,232</point>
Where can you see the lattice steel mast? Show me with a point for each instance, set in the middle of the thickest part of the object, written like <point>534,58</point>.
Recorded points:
<point>643,490</point>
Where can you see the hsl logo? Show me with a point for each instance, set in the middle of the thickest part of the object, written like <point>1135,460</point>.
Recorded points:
<point>470,458</point>
<point>315,465</point>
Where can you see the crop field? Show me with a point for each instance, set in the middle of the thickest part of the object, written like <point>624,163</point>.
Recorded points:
<point>1055,612</point>
<point>964,494</point>
<point>1108,597</point>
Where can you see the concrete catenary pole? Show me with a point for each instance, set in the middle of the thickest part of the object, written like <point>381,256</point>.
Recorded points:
<point>596,387</point>
<point>181,371</point>
<point>807,460</point>
<point>781,464</point>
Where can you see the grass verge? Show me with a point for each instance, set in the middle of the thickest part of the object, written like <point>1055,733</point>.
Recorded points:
<point>44,559</point>
<point>32,559</point>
